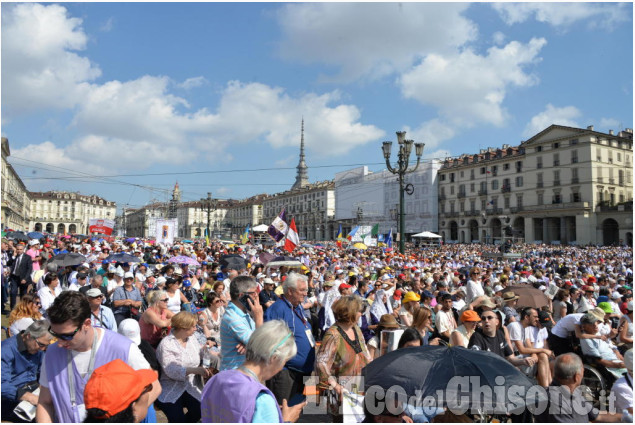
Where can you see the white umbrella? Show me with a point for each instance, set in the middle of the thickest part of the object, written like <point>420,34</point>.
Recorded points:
<point>426,234</point>
<point>261,228</point>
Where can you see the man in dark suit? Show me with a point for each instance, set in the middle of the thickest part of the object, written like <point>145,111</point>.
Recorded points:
<point>21,269</point>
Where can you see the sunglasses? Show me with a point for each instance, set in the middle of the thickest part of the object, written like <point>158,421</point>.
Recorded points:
<point>165,300</point>
<point>486,318</point>
<point>39,344</point>
<point>65,337</point>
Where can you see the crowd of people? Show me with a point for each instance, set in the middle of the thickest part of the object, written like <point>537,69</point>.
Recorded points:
<point>201,337</point>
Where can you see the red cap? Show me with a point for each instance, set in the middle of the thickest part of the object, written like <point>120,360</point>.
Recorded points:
<point>591,279</point>
<point>115,385</point>
<point>401,276</point>
<point>588,288</point>
<point>344,286</point>
<point>397,295</point>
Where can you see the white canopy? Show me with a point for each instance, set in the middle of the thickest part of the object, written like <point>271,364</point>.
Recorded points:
<point>426,234</point>
<point>261,228</point>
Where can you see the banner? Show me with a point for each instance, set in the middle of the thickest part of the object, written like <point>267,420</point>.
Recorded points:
<point>365,235</point>
<point>165,230</point>
<point>101,225</point>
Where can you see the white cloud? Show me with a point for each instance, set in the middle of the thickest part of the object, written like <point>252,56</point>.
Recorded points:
<point>498,38</point>
<point>223,190</point>
<point>432,133</point>
<point>139,123</point>
<point>47,153</point>
<point>193,82</point>
<point>610,124</point>
<point>39,68</point>
<point>257,111</point>
<point>371,39</point>
<point>604,15</point>
<point>552,115</point>
<point>468,88</point>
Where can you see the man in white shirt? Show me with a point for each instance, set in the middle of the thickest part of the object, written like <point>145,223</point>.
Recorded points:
<point>529,318</point>
<point>445,321</point>
<point>623,387</point>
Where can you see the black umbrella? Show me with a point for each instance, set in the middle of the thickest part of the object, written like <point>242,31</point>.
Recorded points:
<point>18,236</point>
<point>233,261</point>
<point>284,258</point>
<point>122,257</point>
<point>455,371</point>
<point>265,257</point>
<point>69,259</point>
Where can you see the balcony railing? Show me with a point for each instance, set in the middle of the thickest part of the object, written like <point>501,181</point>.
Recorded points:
<point>564,205</point>
<point>471,213</point>
<point>442,197</point>
<point>556,182</point>
<point>515,210</point>
<point>482,192</point>
<point>452,214</point>
<point>461,195</point>
<point>575,180</point>
<point>540,184</point>
<point>506,188</point>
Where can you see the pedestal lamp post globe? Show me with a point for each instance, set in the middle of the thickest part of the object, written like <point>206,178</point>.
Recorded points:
<point>401,169</point>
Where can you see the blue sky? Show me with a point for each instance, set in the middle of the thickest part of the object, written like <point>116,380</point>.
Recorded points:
<point>191,91</point>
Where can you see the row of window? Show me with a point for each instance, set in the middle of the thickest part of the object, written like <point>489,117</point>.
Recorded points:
<point>493,202</point>
<point>491,170</point>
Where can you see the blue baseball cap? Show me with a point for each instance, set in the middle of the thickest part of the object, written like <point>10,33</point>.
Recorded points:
<point>187,282</point>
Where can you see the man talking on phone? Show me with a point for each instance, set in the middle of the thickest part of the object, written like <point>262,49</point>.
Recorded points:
<point>242,316</point>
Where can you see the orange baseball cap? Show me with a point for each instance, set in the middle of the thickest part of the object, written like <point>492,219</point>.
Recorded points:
<point>115,385</point>
<point>470,316</point>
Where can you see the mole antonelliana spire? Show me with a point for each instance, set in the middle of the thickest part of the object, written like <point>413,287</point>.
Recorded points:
<point>302,178</point>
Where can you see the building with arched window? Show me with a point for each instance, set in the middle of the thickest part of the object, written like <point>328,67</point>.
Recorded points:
<point>16,200</point>
<point>564,185</point>
<point>67,212</point>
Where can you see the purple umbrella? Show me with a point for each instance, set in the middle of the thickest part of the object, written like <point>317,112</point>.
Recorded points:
<point>129,240</point>
<point>182,259</point>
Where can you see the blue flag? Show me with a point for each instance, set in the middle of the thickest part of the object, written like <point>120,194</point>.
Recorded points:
<point>389,239</point>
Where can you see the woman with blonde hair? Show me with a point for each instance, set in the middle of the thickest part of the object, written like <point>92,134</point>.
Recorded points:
<point>24,313</point>
<point>155,321</point>
<point>179,355</point>
<point>422,322</point>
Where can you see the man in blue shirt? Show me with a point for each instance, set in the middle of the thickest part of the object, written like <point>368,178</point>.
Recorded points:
<point>242,316</point>
<point>290,380</point>
<point>22,356</point>
<point>126,299</point>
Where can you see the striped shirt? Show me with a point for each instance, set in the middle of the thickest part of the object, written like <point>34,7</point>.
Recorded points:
<point>236,328</point>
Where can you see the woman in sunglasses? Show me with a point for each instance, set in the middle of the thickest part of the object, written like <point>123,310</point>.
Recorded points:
<point>155,321</point>
<point>24,313</point>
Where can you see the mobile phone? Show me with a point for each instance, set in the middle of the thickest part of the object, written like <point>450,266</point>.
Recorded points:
<point>244,301</point>
<point>296,399</point>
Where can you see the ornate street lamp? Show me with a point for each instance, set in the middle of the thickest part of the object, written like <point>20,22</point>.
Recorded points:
<point>401,169</point>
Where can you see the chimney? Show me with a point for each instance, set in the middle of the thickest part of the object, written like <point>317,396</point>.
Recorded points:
<point>590,128</point>
<point>611,132</point>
